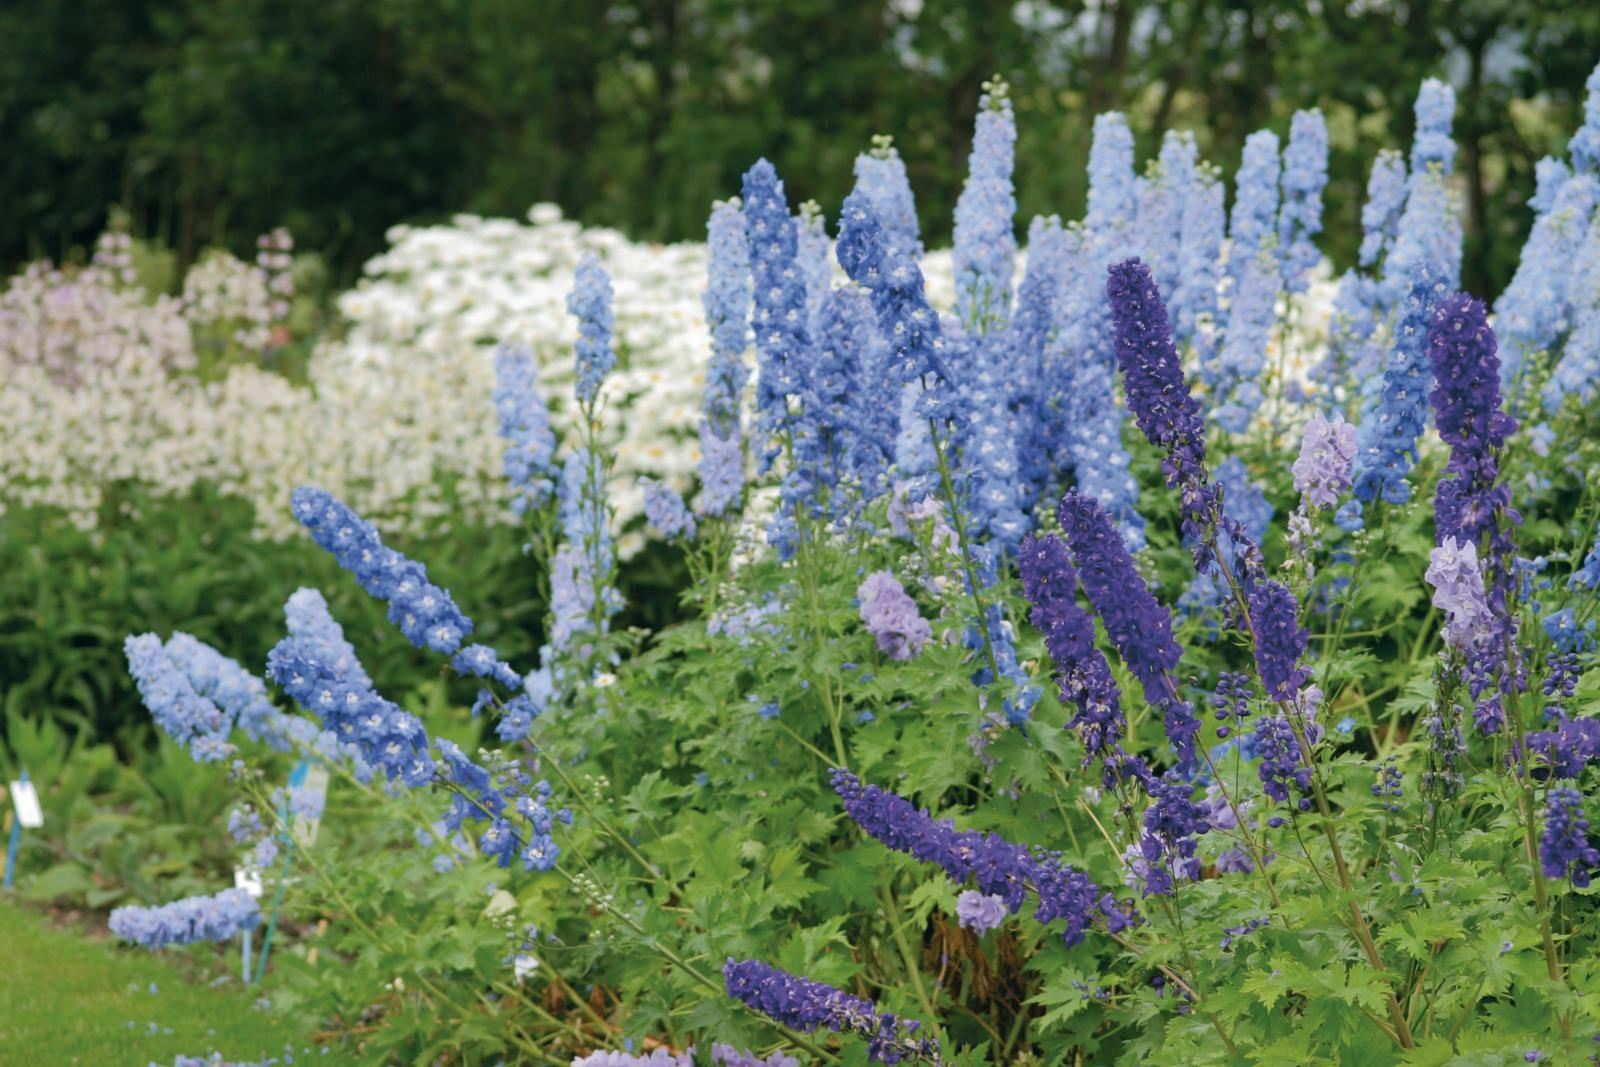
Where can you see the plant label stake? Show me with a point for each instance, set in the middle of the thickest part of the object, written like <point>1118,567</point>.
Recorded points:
<point>297,782</point>
<point>25,812</point>
<point>248,879</point>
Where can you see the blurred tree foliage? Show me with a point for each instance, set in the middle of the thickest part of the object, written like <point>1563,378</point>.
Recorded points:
<point>214,121</point>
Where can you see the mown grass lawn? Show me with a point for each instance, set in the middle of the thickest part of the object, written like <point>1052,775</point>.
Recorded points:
<point>65,999</point>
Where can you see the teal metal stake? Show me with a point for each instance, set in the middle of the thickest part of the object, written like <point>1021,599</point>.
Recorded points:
<point>16,839</point>
<point>296,778</point>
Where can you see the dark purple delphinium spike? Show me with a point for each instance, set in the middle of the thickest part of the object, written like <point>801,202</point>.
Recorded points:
<point>1000,868</point>
<point>1471,504</point>
<point>1169,416</point>
<point>1281,762</point>
<point>1139,626</point>
<point>1051,585</point>
<point>1466,405</point>
<point>1280,639</point>
<point>1171,823</point>
<point>807,1005</point>
<point>1565,851</point>
<point>1568,746</point>
<point>1164,409</point>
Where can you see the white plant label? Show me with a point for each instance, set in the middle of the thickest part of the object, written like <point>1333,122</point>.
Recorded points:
<point>248,879</point>
<point>26,800</point>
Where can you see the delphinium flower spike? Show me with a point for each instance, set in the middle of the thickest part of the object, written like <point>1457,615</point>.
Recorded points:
<point>779,319</point>
<point>590,303</point>
<point>665,511</point>
<point>1576,374</point>
<point>1323,469</point>
<point>1194,301</point>
<point>529,457</point>
<point>309,620</point>
<point>1027,360</point>
<point>727,307</point>
<point>891,616</point>
<point>1252,225</point>
<point>985,243</point>
<point>1139,626</point>
<point>881,177</point>
<point>808,1006</point>
<point>1051,585</point>
<point>1534,309</point>
<point>1158,396</point>
<point>894,283</point>
<point>1305,174</point>
<point>425,613</point>
<point>1359,305</point>
<point>1429,232</point>
<point>1466,401</point>
<point>1393,422</point>
<point>998,867</point>
<point>813,258</point>
<point>1165,410</point>
<point>1162,195</point>
<point>1241,364</point>
<point>583,592</point>
<point>1584,148</point>
<point>187,717</point>
<point>1565,851</point>
<point>387,737</point>
<point>240,694</point>
<point>1323,473</point>
<point>219,917</point>
<point>1172,822</point>
<point>1471,504</point>
<point>1457,582</point>
<point>1081,355</point>
<point>1386,199</point>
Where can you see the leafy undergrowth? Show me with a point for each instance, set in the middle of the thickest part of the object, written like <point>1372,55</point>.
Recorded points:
<point>69,1000</point>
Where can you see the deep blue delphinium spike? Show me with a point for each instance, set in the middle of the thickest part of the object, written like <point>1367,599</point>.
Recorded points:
<point>425,613</point>
<point>1386,444</point>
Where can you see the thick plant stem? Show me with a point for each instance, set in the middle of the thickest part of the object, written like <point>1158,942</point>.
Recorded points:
<point>1363,932</point>
<point>909,958</point>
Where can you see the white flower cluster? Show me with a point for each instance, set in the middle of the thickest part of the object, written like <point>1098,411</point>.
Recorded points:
<point>396,417</point>
<point>227,298</point>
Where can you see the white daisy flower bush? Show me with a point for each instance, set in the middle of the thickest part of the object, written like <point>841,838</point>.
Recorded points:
<point>1158,649</point>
